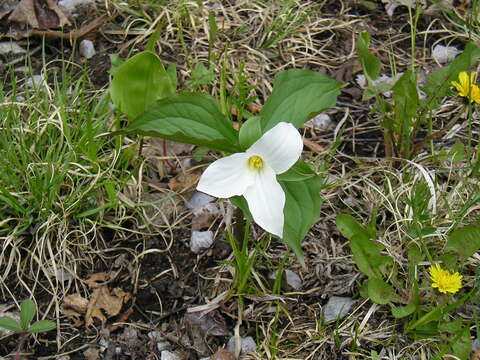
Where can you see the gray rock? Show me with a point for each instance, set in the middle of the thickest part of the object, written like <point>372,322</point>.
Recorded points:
<point>200,202</point>
<point>476,345</point>
<point>444,54</point>
<point>337,307</point>
<point>292,279</point>
<point>247,344</point>
<point>11,48</point>
<point>322,122</point>
<point>70,6</point>
<point>87,49</point>
<point>167,355</point>
<point>35,81</point>
<point>201,240</point>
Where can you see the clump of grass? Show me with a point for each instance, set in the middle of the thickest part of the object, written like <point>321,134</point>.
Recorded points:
<point>59,178</point>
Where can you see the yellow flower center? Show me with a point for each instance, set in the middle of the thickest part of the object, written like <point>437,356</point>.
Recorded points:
<point>255,162</point>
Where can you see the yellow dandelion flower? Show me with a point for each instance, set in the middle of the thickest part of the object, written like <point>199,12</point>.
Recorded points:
<point>466,86</point>
<point>444,281</point>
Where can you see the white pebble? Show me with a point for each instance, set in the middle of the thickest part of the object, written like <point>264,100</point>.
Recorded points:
<point>201,240</point>
<point>87,50</point>
<point>444,54</point>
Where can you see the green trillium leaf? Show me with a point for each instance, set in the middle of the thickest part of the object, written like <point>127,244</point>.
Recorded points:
<point>140,81</point>
<point>297,96</point>
<point>188,118</point>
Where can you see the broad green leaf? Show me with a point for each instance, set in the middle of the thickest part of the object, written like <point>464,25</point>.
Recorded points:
<point>438,83</point>
<point>462,344</point>
<point>451,327</point>
<point>297,96</point>
<point>464,241</point>
<point>399,312</point>
<point>28,309</point>
<point>366,253</point>
<point>201,75</point>
<point>10,324</point>
<point>172,74</point>
<point>380,292</point>
<point>42,326</point>
<point>302,210</point>
<point>405,98</point>
<point>370,63</point>
<point>138,82</point>
<point>349,227</point>
<point>298,172</point>
<point>250,132</point>
<point>188,118</point>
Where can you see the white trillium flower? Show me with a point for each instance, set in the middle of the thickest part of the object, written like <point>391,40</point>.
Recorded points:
<point>253,175</point>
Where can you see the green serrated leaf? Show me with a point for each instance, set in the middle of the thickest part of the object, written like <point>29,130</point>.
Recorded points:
<point>380,292</point>
<point>370,63</point>
<point>349,227</point>
<point>451,327</point>
<point>302,210</point>
<point>188,118</point>
<point>42,326</point>
<point>462,344</point>
<point>464,241</point>
<point>138,82</point>
<point>399,312</point>
<point>366,253</point>
<point>297,96</point>
<point>10,324</point>
<point>28,309</point>
<point>406,99</point>
<point>250,132</point>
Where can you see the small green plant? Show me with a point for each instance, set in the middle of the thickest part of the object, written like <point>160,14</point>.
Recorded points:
<point>412,108</point>
<point>24,327</point>
<point>425,313</point>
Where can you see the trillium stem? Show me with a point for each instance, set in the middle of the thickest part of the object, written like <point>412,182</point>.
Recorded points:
<point>239,228</point>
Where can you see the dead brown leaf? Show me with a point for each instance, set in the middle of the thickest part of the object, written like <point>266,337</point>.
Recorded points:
<point>75,303</point>
<point>102,302</point>
<point>39,14</point>
<point>202,220</point>
<point>183,182</point>
<point>97,280</point>
<point>123,317</point>
<point>91,354</point>
<point>7,6</point>
<point>475,355</point>
<point>222,354</point>
<point>25,13</point>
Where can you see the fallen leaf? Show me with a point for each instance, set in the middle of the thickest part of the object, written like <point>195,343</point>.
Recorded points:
<point>97,280</point>
<point>39,14</point>
<point>202,220</point>
<point>25,13</point>
<point>91,354</point>
<point>222,354</point>
<point>183,182</point>
<point>7,6</point>
<point>75,303</point>
<point>123,317</point>
<point>100,302</point>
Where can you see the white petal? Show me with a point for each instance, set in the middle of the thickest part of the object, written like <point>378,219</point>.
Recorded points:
<point>226,177</point>
<point>280,147</point>
<point>266,201</point>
